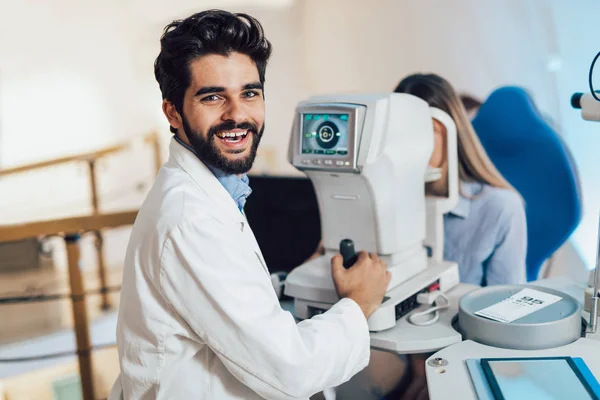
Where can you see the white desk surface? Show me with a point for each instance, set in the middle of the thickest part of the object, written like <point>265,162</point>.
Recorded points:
<point>454,378</point>
<point>454,382</point>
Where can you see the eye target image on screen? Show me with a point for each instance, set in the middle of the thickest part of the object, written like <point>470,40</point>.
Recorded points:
<point>325,134</point>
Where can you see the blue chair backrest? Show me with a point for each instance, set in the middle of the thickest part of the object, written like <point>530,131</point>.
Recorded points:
<point>536,161</point>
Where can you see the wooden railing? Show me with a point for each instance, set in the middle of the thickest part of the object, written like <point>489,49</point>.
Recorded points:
<point>91,159</point>
<point>72,229</point>
<point>151,139</point>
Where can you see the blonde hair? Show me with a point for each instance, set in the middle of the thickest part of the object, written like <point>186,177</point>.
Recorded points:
<point>473,162</point>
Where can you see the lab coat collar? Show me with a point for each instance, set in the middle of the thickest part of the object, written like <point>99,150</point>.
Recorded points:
<point>205,179</point>
<point>238,188</point>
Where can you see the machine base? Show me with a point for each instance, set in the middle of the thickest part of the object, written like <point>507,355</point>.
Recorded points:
<point>312,280</point>
<point>439,275</point>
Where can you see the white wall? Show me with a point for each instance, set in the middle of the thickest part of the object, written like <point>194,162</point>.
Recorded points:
<point>69,85</point>
<point>476,45</point>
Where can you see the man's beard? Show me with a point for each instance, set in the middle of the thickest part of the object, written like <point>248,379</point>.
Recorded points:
<point>208,152</point>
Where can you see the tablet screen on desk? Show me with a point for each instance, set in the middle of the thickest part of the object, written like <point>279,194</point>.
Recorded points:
<point>535,379</point>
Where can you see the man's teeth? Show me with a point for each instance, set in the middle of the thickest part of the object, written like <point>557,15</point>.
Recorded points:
<point>226,134</point>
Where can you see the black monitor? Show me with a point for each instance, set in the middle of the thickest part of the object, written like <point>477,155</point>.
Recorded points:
<point>284,216</point>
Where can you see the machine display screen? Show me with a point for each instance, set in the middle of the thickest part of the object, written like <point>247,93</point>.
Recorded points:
<point>325,134</point>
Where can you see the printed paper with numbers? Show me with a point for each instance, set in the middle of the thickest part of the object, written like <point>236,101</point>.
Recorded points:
<point>518,305</point>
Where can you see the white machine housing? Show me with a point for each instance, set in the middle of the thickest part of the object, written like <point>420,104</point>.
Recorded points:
<point>438,206</point>
<point>367,157</point>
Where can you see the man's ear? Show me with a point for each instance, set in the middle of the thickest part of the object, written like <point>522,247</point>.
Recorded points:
<point>172,114</point>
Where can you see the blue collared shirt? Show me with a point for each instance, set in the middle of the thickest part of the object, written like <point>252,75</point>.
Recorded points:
<point>486,234</point>
<point>238,188</point>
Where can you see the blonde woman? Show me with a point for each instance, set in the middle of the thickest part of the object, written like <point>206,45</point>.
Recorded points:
<point>486,234</point>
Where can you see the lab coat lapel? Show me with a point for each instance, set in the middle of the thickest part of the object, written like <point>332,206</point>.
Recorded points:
<point>206,180</point>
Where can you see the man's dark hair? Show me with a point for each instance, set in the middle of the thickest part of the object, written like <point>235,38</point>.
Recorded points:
<point>208,32</point>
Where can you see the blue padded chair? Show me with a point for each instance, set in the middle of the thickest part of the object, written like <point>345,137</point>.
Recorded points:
<point>536,161</point>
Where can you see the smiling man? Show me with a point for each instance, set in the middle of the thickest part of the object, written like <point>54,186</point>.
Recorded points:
<point>209,119</point>
<point>199,318</point>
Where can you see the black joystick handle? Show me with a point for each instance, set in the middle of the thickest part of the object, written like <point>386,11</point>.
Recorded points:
<point>348,253</point>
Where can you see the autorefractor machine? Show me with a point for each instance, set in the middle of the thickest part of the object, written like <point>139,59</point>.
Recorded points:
<point>367,157</point>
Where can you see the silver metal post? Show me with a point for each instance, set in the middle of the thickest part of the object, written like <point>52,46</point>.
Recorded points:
<point>593,326</point>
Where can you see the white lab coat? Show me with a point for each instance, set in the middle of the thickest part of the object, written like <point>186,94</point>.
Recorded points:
<point>198,317</point>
